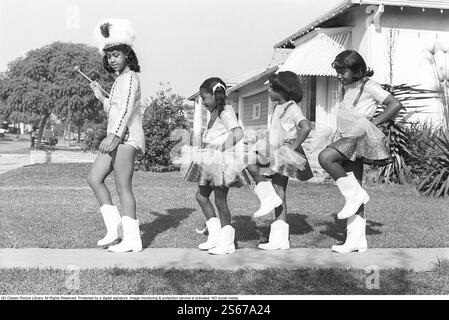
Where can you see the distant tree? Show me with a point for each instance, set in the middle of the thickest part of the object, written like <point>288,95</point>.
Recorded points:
<point>44,82</point>
<point>165,112</point>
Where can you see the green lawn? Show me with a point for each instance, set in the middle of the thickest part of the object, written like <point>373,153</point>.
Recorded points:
<point>51,206</point>
<point>213,282</point>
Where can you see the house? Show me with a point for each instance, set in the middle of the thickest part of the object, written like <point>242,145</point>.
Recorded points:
<point>394,36</point>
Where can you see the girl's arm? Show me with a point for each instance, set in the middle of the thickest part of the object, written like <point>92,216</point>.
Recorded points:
<point>96,88</point>
<point>304,129</point>
<point>393,107</point>
<point>127,91</point>
<point>234,136</point>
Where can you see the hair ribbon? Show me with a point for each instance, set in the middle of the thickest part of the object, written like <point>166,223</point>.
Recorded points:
<point>218,85</point>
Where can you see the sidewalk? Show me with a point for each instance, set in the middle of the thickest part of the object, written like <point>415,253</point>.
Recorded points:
<point>14,161</point>
<point>420,259</point>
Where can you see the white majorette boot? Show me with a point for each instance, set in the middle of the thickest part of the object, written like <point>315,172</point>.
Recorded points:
<point>355,236</point>
<point>112,220</point>
<point>225,241</point>
<point>268,198</point>
<point>131,237</point>
<point>213,226</point>
<point>354,195</point>
<point>278,239</point>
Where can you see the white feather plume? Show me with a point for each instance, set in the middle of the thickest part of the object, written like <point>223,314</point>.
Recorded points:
<point>120,31</point>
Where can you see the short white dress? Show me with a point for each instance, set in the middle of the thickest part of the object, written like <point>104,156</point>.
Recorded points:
<point>210,165</point>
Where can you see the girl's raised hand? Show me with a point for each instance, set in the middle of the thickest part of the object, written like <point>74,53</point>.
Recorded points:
<point>96,88</point>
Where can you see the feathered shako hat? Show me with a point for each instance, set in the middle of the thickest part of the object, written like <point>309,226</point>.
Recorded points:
<point>113,32</point>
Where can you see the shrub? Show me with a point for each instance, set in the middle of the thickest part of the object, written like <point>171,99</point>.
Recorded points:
<point>397,132</point>
<point>93,135</point>
<point>434,171</point>
<point>165,113</point>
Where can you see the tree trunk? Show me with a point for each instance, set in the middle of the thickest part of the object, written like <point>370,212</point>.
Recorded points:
<point>67,133</point>
<point>79,134</point>
<point>42,123</point>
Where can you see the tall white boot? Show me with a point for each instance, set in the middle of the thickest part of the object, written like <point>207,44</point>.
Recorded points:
<point>225,241</point>
<point>112,219</point>
<point>355,236</point>
<point>268,198</point>
<point>131,237</point>
<point>213,226</point>
<point>354,195</point>
<point>278,239</point>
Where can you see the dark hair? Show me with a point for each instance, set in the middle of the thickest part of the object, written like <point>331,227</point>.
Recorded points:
<point>131,58</point>
<point>287,84</point>
<point>219,94</point>
<point>352,60</point>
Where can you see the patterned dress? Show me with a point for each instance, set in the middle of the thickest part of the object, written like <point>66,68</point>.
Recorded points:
<point>356,136</point>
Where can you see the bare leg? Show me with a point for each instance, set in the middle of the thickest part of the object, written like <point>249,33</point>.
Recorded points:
<point>331,160</point>
<point>123,161</point>
<point>280,185</point>
<point>357,168</point>
<point>253,170</point>
<point>202,196</point>
<point>221,202</point>
<point>101,168</point>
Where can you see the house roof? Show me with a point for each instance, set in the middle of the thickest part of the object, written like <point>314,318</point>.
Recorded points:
<point>241,80</point>
<point>315,52</point>
<point>244,77</point>
<point>257,77</point>
<point>347,4</point>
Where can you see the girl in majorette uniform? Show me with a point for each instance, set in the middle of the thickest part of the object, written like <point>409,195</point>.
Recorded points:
<point>280,155</point>
<point>356,141</point>
<point>125,136</point>
<point>217,166</point>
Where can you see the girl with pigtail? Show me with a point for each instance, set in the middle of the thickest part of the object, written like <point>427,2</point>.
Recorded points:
<point>356,141</point>
<point>217,166</point>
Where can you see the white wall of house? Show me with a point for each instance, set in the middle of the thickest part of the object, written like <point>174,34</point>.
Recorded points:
<point>415,30</point>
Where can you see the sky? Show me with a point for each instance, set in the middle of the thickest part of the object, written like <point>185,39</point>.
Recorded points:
<point>182,42</point>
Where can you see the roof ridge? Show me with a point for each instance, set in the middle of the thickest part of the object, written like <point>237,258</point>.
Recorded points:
<point>346,4</point>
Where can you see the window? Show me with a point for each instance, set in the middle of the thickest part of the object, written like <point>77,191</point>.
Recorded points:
<point>257,107</point>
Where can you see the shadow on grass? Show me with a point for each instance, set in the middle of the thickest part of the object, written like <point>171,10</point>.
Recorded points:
<point>162,223</point>
<point>298,224</point>
<point>337,228</point>
<point>246,228</point>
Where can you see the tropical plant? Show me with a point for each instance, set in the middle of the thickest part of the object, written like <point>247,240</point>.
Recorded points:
<point>438,56</point>
<point>434,173</point>
<point>397,132</point>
